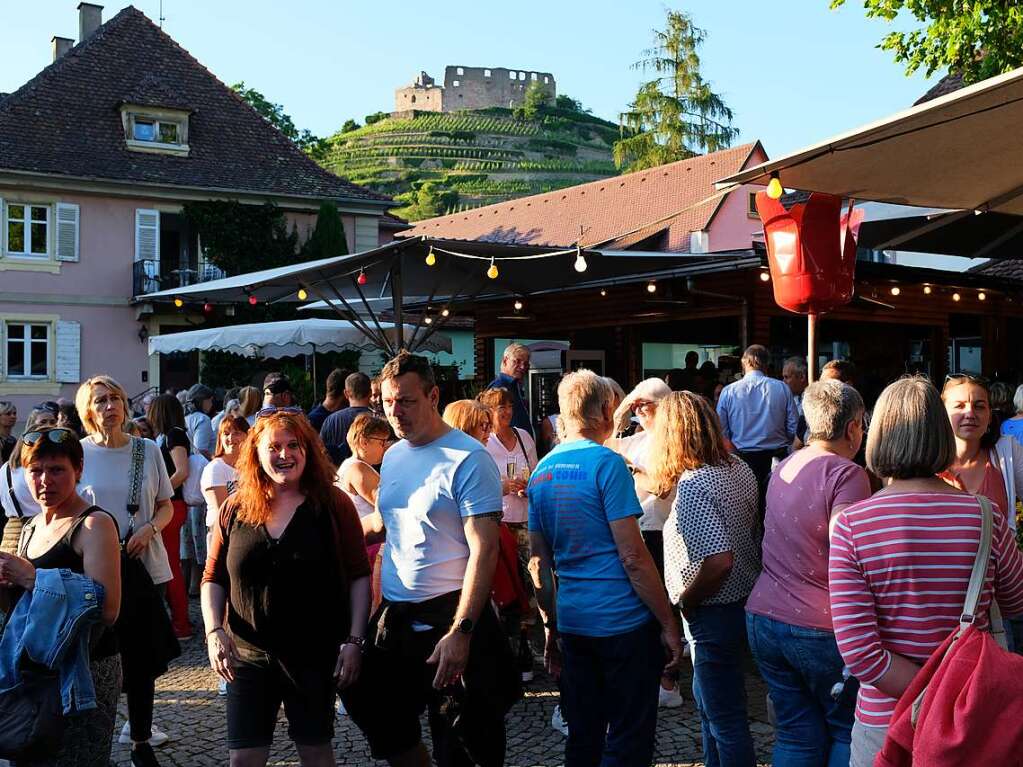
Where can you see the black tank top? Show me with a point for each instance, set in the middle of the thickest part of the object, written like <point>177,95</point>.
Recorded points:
<point>63,555</point>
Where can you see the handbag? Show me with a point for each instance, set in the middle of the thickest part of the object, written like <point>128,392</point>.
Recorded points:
<point>31,717</point>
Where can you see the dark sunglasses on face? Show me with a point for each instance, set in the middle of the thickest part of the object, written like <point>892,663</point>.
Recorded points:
<point>269,411</point>
<point>56,436</point>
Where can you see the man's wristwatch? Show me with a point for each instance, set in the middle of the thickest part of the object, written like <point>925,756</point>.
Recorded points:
<point>465,626</point>
<point>359,642</point>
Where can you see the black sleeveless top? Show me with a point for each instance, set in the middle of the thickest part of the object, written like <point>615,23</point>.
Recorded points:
<point>63,555</point>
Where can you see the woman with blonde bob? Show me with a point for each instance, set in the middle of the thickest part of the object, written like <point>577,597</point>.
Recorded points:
<point>471,417</point>
<point>285,596</point>
<point>907,553</point>
<point>711,561</point>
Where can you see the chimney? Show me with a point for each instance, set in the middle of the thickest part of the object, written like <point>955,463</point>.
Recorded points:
<point>61,45</point>
<point>90,17</point>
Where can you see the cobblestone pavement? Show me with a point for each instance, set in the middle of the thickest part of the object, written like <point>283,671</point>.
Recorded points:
<point>190,711</point>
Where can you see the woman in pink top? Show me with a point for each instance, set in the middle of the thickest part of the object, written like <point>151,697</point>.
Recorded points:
<point>900,561</point>
<point>788,614</point>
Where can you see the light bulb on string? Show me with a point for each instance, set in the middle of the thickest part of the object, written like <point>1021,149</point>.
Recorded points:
<point>430,258</point>
<point>445,312</point>
<point>651,287</point>
<point>580,261</point>
<point>956,297</point>
<point>765,276</point>
<point>207,307</point>
<point>302,295</point>
<point>361,279</point>
<point>492,271</point>
<point>603,292</point>
<point>518,305</point>
<point>178,302</point>
<point>896,290</point>
<point>774,187</point>
<point>982,296</point>
<point>927,290</point>
<point>428,320</point>
<point>253,300</point>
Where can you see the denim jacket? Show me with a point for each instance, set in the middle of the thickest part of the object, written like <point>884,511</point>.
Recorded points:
<point>51,625</point>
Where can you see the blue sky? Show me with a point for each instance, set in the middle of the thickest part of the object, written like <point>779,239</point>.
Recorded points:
<point>793,71</point>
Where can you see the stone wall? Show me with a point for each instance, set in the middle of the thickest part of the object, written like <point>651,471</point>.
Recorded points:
<point>471,88</point>
<point>429,99</point>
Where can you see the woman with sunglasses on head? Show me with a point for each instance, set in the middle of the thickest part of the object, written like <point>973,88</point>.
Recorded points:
<point>108,474</point>
<point>71,533</point>
<point>285,596</point>
<point>987,462</point>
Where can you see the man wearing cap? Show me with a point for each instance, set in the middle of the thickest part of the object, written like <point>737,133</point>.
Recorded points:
<point>198,405</point>
<point>277,391</point>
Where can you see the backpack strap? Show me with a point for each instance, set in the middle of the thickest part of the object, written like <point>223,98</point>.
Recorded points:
<point>10,489</point>
<point>135,477</point>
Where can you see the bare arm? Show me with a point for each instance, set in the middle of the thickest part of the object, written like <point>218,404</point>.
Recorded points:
<point>452,651</point>
<point>541,572</point>
<point>143,535</point>
<point>373,528</point>
<point>365,481</point>
<point>180,457</point>
<point>98,545</point>
<point>712,573</point>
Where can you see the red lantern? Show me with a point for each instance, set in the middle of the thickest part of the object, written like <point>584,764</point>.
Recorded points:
<point>253,300</point>
<point>811,249</point>
<point>207,307</point>
<point>362,277</point>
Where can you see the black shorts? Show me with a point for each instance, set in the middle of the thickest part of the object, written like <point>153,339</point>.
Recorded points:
<point>262,683</point>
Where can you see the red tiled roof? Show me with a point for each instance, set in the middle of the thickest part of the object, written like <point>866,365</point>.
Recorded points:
<point>66,121</point>
<point>614,212</point>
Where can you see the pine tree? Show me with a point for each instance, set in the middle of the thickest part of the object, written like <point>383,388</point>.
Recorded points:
<point>675,115</point>
<point>328,237</point>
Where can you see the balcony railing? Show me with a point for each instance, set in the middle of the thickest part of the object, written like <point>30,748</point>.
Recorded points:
<point>147,276</point>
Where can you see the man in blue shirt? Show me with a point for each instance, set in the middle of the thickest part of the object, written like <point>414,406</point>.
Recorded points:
<point>758,417</point>
<point>333,399</point>
<point>514,367</point>
<point>610,631</point>
<point>334,431</point>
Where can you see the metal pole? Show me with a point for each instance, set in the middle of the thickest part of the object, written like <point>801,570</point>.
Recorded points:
<point>811,347</point>
<point>397,298</point>
<point>315,396</point>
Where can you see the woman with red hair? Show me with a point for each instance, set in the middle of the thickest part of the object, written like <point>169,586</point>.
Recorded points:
<point>285,596</point>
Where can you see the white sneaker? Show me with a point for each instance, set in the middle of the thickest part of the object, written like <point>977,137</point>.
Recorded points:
<point>158,739</point>
<point>669,698</point>
<point>558,722</point>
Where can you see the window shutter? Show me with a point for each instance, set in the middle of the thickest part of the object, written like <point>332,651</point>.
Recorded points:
<point>67,231</point>
<point>3,233</point>
<point>69,351</point>
<point>147,235</point>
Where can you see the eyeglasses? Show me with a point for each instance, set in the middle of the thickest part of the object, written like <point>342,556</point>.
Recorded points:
<point>269,411</point>
<point>57,436</point>
<point>643,405</point>
<point>969,378</point>
<point>49,407</point>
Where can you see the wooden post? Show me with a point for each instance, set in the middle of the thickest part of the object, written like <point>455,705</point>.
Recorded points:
<point>811,347</point>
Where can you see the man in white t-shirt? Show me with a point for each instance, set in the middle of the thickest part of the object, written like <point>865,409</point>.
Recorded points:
<point>440,503</point>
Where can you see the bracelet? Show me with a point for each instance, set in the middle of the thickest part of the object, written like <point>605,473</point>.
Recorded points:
<point>359,642</point>
<point>156,530</point>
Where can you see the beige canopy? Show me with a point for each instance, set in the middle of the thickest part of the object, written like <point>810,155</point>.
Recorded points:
<point>961,151</point>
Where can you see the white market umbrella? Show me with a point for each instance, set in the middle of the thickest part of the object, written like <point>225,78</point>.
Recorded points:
<point>284,339</point>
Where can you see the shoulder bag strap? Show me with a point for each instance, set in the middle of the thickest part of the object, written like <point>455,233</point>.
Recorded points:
<point>10,489</point>
<point>138,462</point>
<point>521,445</point>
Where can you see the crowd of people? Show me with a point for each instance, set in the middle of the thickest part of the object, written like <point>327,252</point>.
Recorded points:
<point>407,557</point>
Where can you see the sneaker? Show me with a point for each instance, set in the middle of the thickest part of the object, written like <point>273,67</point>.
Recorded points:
<point>221,688</point>
<point>669,698</point>
<point>158,739</point>
<point>142,756</point>
<point>558,722</point>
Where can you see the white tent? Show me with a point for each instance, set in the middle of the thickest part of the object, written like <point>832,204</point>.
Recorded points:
<point>283,339</point>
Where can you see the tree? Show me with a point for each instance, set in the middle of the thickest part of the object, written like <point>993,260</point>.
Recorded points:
<point>675,115</point>
<point>536,98</point>
<point>569,104</point>
<point>242,238</point>
<point>328,237</point>
<point>976,39</point>
<point>429,200</point>
<point>276,116</point>
<point>349,126</point>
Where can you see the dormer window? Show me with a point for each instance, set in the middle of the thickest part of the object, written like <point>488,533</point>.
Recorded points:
<point>149,129</point>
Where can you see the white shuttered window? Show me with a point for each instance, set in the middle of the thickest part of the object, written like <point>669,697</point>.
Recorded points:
<point>147,235</point>
<point>67,231</point>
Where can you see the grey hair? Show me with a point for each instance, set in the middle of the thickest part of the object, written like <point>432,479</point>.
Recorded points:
<point>799,363</point>
<point>1017,400</point>
<point>583,396</point>
<point>6,406</point>
<point>829,407</point>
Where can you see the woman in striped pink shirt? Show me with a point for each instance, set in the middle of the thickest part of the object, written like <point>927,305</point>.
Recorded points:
<point>900,561</point>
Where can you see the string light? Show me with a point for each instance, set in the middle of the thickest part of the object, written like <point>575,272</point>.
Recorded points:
<point>361,279</point>
<point>428,320</point>
<point>253,300</point>
<point>492,271</point>
<point>774,187</point>
<point>178,302</point>
<point>765,276</point>
<point>445,313</point>
<point>430,258</point>
<point>982,296</point>
<point>302,295</point>
<point>651,287</point>
<point>956,297</point>
<point>603,292</point>
<point>580,262</point>
<point>518,305</point>
<point>927,290</point>
<point>207,307</point>
<point>896,290</point>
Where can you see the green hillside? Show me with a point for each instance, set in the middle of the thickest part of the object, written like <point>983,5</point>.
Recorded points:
<point>435,163</point>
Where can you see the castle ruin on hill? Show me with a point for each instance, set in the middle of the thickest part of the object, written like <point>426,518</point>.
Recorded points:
<point>470,88</point>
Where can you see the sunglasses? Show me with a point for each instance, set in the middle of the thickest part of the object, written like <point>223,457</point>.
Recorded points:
<point>969,378</point>
<point>269,411</point>
<point>56,436</point>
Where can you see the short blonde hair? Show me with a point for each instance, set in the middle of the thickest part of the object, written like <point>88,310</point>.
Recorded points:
<point>250,399</point>
<point>583,397</point>
<point>366,425</point>
<point>910,435</point>
<point>467,415</point>
<point>495,397</point>
<point>83,401</point>
<point>687,435</point>
<point>514,350</point>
